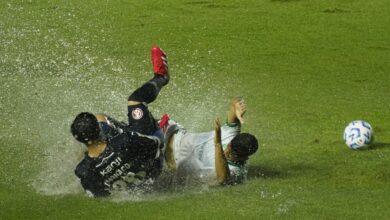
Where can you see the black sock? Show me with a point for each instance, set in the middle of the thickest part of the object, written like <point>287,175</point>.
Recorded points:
<point>148,92</point>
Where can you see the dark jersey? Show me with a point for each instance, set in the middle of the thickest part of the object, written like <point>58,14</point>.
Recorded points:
<point>128,160</point>
<point>131,157</point>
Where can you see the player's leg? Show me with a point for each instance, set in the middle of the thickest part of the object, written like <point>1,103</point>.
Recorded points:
<point>148,92</point>
<point>140,119</point>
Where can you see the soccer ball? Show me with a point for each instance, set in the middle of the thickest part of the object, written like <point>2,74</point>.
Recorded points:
<point>358,134</point>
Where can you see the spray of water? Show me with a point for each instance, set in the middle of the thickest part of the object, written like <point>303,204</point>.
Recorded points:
<point>48,79</point>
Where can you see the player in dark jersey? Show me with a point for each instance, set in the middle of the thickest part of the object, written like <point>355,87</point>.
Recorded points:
<point>121,156</point>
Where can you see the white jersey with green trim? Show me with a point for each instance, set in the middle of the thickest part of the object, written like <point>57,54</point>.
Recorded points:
<point>195,153</point>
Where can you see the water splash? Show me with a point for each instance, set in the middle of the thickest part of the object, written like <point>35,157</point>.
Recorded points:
<point>47,79</point>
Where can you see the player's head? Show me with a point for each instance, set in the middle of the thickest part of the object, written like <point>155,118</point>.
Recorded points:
<point>244,145</point>
<point>85,128</point>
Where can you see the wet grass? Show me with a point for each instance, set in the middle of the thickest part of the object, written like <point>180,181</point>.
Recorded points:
<point>306,68</point>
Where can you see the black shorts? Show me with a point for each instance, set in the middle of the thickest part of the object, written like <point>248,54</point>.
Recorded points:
<point>141,119</point>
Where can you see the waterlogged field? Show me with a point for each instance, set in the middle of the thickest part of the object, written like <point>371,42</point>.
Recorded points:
<point>306,69</point>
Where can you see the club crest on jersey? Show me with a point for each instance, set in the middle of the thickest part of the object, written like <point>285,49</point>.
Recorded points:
<point>137,113</point>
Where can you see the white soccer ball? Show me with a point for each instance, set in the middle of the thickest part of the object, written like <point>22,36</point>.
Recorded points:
<point>358,134</point>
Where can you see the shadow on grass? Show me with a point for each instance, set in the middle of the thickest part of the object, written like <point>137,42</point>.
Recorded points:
<point>285,0</point>
<point>265,172</point>
<point>259,171</point>
<point>335,10</point>
<point>375,146</point>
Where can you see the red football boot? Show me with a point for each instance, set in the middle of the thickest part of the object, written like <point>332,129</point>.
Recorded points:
<point>164,122</point>
<point>160,62</point>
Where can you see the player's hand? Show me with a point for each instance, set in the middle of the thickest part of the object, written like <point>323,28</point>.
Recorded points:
<point>217,131</point>
<point>239,106</point>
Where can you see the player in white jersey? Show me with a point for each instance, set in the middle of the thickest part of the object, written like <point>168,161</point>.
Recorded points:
<point>221,154</point>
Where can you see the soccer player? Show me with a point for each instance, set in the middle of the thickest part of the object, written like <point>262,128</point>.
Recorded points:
<point>221,154</point>
<point>121,156</point>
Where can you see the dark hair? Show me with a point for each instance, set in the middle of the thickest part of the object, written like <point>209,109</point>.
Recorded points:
<point>244,144</point>
<point>85,127</point>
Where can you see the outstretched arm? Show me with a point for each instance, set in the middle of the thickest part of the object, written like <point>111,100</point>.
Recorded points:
<point>221,166</point>
<point>237,110</point>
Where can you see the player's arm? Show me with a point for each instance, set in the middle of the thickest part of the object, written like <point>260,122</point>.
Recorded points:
<point>236,111</point>
<point>221,165</point>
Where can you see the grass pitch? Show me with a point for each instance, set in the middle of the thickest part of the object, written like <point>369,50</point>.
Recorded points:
<point>306,69</point>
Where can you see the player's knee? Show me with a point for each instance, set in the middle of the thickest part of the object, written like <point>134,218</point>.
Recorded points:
<point>147,93</point>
